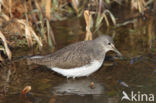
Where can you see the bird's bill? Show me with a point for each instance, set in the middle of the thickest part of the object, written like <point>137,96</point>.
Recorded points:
<point>119,54</point>
<point>115,50</point>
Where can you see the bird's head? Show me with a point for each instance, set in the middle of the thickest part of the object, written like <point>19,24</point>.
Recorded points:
<point>107,43</point>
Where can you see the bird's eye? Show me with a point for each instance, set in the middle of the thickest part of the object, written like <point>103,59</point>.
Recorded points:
<point>109,43</point>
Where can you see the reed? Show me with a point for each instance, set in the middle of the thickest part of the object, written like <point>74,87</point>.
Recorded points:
<point>89,22</point>
<point>6,48</point>
<point>36,16</point>
<point>138,4</point>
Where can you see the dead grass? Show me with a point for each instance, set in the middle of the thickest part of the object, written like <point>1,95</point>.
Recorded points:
<point>75,4</point>
<point>89,20</point>
<point>29,33</point>
<point>106,13</point>
<point>48,9</point>
<point>138,4</point>
<point>35,16</point>
<point>6,48</point>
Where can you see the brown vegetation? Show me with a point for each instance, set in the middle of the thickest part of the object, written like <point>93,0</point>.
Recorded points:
<point>30,19</point>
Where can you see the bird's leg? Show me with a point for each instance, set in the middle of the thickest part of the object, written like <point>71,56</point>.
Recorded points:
<point>73,78</point>
<point>67,78</point>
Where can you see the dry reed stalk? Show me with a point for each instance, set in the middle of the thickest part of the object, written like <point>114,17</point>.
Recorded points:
<point>111,16</point>
<point>26,7</point>
<point>138,4</point>
<point>75,4</point>
<point>10,7</point>
<point>8,52</point>
<point>1,58</point>
<point>38,6</point>
<point>48,8</point>
<point>29,32</point>
<point>1,3</point>
<point>88,19</point>
<point>50,33</point>
<point>106,20</point>
<point>102,16</point>
<point>5,16</point>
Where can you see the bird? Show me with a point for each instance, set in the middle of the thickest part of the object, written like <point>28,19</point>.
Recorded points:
<point>79,59</point>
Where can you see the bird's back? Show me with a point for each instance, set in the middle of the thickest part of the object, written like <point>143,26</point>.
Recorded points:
<point>74,55</point>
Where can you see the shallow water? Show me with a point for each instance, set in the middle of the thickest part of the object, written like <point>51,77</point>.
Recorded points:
<point>135,73</point>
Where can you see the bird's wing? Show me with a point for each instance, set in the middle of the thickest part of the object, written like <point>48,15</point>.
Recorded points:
<point>75,55</point>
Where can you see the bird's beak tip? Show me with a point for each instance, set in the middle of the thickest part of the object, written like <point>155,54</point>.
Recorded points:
<point>118,53</point>
<point>115,50</point>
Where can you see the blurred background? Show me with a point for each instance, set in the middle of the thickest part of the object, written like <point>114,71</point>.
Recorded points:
<point>31,27</point>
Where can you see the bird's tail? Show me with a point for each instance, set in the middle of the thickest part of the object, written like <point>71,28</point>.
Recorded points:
<point>34,60</point>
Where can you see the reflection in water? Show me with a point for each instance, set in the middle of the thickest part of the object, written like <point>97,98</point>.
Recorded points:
<point>79,87</point>
<point>5,77</point>
<point>87,99</point>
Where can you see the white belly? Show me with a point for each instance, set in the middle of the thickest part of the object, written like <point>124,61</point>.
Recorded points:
<point>79,71</point>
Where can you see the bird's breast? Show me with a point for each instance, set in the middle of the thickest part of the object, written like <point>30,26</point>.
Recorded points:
<point>85,70</point>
